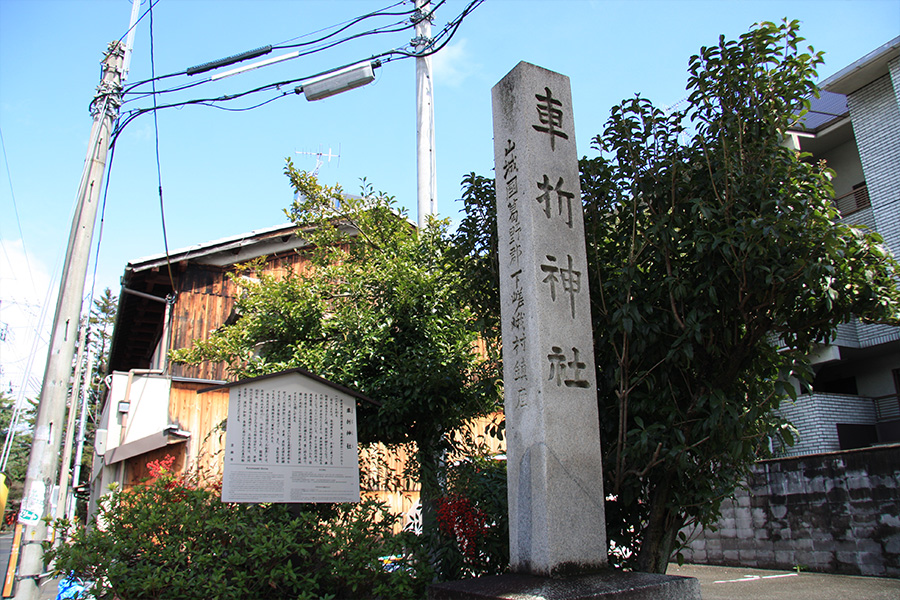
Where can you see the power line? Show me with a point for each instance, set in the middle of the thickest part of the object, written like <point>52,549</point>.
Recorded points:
<point>133,25</point>
<point>162,209</point>
<point>12,195</point>
<point>391,28</point>
<point>441,40</point>
<point>347,24</point>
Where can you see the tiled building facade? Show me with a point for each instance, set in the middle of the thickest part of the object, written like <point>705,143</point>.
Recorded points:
<point>831,503</point>
<point>855,127</point>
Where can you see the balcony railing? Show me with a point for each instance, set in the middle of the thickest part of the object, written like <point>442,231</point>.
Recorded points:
<point>854,201</point>
<point>887,408</point>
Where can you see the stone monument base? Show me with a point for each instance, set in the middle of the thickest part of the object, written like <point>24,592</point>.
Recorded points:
<point>607,585</point>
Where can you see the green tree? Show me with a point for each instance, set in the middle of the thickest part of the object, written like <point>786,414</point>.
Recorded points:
<point>20,446</point>
<point>716,263</point>
<point>100,326</point>
<point>380,310</point>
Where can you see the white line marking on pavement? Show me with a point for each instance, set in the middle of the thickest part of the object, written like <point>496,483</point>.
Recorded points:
<point>755,578</point>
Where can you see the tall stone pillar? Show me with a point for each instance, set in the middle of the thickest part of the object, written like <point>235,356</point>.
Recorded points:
<point>555,475</point>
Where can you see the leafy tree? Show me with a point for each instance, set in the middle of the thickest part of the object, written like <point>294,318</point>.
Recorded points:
<point>716,264</point>
<point>100,322</point>
<point>17,462</point>
<point>380,309</point>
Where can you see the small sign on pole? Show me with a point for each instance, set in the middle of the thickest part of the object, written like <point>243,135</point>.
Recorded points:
<point>290,437</point>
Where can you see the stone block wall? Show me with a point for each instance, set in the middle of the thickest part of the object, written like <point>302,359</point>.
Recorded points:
<point>833,513</point>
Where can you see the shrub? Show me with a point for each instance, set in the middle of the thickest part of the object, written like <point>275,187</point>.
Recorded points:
<point>473,520</point>
<point>171,539</point>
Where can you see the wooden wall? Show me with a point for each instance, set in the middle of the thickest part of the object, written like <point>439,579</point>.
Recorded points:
<point>136,470</point>
<point>205,302</point>
<point>204,416</point>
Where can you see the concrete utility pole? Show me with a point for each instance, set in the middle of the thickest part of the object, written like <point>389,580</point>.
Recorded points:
<point>44,459</point>
<point>427,190</point>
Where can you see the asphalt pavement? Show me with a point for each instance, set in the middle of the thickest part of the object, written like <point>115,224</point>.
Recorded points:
<point>735,583</point>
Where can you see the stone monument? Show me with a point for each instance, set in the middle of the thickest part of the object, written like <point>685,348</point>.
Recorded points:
<point>553,429</point>
<point>558,547</point>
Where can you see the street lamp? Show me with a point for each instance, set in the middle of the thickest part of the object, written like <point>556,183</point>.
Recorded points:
<point>339,81</point>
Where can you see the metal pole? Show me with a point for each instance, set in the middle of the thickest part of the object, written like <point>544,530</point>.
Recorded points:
<point>129,40</point>
<point>70,428</point>
<point>425,165</point>
<point>79,445</point>
<point>44,458</point>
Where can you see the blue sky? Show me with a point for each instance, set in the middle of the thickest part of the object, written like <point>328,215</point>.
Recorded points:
<point>222,171</point>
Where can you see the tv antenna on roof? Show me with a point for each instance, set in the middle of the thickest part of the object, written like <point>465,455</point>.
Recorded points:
<point>320,156</point>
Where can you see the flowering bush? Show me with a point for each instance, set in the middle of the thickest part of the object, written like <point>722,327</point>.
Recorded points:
<point>473,521</point>
<point>459,519</point>
<point>170,538</point>
<point>161,467</point>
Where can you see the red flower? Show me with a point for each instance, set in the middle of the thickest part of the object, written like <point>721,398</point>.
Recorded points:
<point>459,519</point>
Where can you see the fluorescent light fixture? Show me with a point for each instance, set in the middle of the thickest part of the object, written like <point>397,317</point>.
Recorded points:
<point>256,65</point>
<point>339,81</point>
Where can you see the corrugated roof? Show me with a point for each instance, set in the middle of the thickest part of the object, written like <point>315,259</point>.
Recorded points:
<point>206,248</point>
<point>828,108</point>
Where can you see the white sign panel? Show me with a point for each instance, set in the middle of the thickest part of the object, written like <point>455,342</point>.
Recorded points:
<point>290,443</point>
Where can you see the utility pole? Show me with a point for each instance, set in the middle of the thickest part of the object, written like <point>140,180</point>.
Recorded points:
<point>427,189</point>
<point>44,459</point>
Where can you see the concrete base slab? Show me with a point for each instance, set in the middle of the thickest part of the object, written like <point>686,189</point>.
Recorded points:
<point>603,586</point>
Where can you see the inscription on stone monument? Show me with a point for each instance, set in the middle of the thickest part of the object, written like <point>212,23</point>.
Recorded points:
<point>553,455</point>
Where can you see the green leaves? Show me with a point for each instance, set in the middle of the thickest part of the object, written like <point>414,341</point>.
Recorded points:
<point>170,540</point>
<point>381,308</point>
<point>716,266</point>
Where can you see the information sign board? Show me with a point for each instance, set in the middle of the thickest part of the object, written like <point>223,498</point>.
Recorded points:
<point>290,438</point>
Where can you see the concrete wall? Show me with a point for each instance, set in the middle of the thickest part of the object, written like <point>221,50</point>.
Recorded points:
<point>844,160</point>
<point>835,513</point>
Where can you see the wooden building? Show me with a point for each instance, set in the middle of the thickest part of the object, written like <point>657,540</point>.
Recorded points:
<point>152,407</point>
<point>167,302</point>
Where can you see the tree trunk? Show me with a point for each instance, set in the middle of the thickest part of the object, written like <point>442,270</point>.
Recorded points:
<point>661,531</point>
<point>429,484</point>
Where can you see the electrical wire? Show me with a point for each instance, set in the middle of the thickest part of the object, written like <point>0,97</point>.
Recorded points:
<point>440,41</point>
<point>392,28</point>
<point>449,30</point>
<point>12,194</point>
<point>397,27</point>
<point>347,24</point>
<point>162,208</point>
<point>152,4</point>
